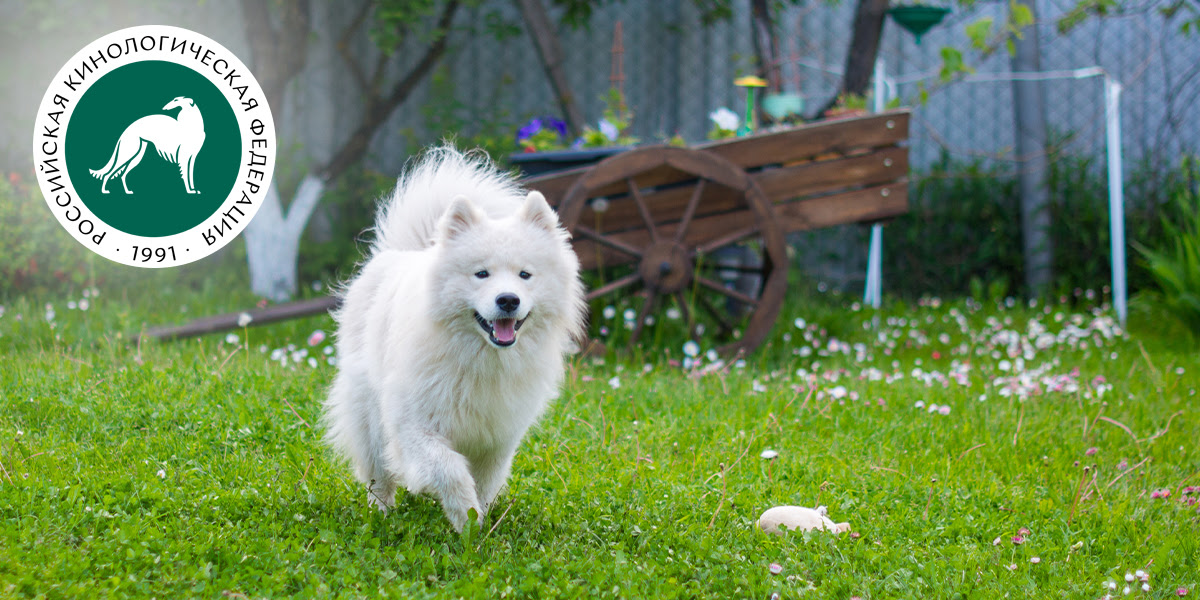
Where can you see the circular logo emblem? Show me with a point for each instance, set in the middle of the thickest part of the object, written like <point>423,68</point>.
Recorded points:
<point>154,146</point>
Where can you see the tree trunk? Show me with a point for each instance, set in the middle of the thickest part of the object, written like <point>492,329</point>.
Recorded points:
<point>550,52</point>
<point>766,47</point>
<point>1029,116</point>
<point>273,236</point>
<point>273,239</point>
<point>864,49</point>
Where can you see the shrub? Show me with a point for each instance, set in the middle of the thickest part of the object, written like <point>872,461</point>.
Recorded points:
<point>1175,263</point>
<point>36,254</point>
<point>963,226</point>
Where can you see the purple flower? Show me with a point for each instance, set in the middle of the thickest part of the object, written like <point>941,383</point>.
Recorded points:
<point>558,125</point>
<point>529,129</point>
<point>537,124</point>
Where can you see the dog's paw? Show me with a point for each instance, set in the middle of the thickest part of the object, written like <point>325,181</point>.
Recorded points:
<point>459,518</point>
<point>381,499</point>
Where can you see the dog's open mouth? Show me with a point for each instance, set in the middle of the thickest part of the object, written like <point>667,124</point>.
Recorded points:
<point>503,332</point>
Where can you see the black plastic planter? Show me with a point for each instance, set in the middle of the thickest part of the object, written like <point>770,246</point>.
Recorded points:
<point>540,163</point>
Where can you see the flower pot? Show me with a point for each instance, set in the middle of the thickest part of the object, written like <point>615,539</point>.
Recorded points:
<point>918,18</point>
<point>834,114</point>
<point>540,163</point>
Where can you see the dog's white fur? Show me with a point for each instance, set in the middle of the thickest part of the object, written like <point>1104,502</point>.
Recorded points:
<point>424,398</point>
<point>177,139</point>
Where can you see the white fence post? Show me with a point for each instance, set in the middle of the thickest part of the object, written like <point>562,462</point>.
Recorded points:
<point>1116,193</point>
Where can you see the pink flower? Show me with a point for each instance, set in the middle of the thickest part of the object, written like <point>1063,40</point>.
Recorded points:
<point>1035,560</point>
<point>1023,531</point>
<point>1181,591</point>
<point>317,337</point>
<point>775,568</point>
<point>1092,450</point>
<point>1163,493</point>
<point>1018,540</point>
<point>1124,464</point>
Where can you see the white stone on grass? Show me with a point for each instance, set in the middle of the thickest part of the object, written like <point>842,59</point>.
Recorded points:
<point>783,518</point>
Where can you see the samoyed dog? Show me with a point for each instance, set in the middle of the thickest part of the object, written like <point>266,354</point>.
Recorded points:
<point>452,336</point>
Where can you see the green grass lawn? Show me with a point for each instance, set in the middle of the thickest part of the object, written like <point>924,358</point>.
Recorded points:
<point>195,468</point>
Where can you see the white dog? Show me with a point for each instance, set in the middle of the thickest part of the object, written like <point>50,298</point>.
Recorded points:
<point>177,139</point>
<point>451,338</point>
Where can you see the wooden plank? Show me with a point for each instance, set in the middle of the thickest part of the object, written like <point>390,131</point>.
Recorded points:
<point>867,205</point>
<point>785,183</point>
<point>229,321</point>
<point>843,136</point>
<point>780,185</point>
<point>858,206</point>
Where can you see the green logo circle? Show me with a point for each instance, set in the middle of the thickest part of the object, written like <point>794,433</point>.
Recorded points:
<point>153,148</point>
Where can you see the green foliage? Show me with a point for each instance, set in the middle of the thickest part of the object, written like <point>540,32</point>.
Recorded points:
<point>852,101</point>
<point>487,126</point>
<point>618,115</point>
<point>963,224</point>
<point>1175,264</point>
<point>1084,10</point>
<point>979,33</point>
<point>545,140</point>
<point>349,208</point>
<point>398,20</point>
<point>36,254</point>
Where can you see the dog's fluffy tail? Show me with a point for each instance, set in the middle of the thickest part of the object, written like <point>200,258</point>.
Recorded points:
<point>407,219</point>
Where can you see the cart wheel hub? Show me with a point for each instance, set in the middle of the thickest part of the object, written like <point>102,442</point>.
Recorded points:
<point>666,267</point>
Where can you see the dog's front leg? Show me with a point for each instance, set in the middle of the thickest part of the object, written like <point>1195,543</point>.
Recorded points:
<point>431,466</point>
<point>491,472</point>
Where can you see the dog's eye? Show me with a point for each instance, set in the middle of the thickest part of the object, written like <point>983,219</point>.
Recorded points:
<point>481,274</point>
<point>525,275</point>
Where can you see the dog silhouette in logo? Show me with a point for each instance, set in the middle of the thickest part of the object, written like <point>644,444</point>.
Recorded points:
<point>177,140</point>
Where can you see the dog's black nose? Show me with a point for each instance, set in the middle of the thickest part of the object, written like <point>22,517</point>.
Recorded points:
<point>508,302</point>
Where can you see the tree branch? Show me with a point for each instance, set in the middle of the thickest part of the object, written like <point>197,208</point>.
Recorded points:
<point>343,45</point>
<point>550,51</point>
<point>378,109</point>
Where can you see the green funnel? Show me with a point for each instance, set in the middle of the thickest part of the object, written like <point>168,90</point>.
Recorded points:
<point>918,18</point>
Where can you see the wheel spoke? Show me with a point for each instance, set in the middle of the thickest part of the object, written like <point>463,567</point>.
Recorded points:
<point>686,312</point>
<point>647,307</point>
<point>726,326</point>
<point>720,289</point>
<point>727,239</point>
<point>615,244</point>
<point>689,211</point>
<point>642,208</point>
<point>615,285</point>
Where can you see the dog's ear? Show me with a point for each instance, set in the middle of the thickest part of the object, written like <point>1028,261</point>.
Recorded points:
<point>537,212</point>
<point>460,217</point>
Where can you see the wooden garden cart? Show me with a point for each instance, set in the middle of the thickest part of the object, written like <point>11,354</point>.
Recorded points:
<point>658,217</point>
<point>655,219</point>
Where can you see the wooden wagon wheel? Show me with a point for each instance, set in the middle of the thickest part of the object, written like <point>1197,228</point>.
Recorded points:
<point>668,235</point>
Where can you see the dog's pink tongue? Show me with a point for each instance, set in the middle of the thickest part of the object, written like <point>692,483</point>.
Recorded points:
<point>504,330</point>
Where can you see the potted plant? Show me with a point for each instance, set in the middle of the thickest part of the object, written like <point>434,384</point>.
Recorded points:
<point>918,17</point>
<point>545,147</point>
<point>847,106</point>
